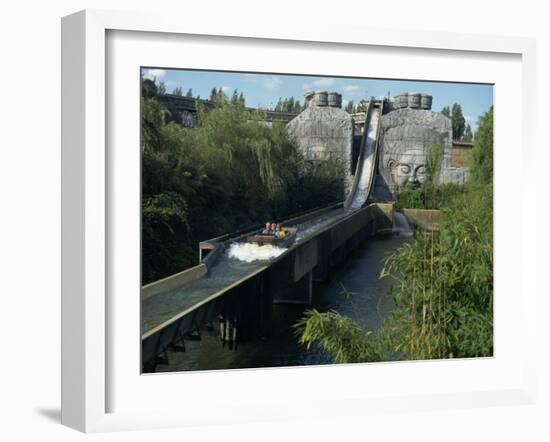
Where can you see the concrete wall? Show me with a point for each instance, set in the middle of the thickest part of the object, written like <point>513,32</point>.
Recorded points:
<point>308,256</point>
<point>173,281</point>
<point>426,219</point>
<point>330,245</point>
<point>461,155</point>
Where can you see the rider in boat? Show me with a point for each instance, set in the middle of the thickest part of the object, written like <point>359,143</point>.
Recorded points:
<point>267,230</point>
<point>280,233</point>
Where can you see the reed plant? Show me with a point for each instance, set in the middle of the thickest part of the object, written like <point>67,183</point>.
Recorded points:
<point>443,289</point>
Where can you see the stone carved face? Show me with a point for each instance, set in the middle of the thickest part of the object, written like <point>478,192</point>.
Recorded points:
<point>408,169</point>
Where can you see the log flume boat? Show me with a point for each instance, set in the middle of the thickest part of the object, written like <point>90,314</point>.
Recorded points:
<point>261,239</point>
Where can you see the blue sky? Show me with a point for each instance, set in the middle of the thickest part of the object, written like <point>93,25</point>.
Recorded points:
<point>263,90</point>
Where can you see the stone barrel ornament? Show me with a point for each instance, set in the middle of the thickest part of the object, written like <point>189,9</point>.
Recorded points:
<point>414,100</point>
<point>401,100</point>
<point>334,99</point>
<point>321,98</point>
<point>426,102</point>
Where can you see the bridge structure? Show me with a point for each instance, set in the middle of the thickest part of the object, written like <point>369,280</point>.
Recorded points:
<point>187,106</point>
<point>235,297</point>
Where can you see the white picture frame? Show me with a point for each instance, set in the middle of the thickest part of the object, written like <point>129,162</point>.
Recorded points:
<point>86,207</point>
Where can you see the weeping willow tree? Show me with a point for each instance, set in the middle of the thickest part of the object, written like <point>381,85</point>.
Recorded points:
<point>230,171</point>
<point>443,290</point>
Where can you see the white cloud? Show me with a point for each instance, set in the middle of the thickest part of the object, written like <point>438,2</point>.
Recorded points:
<point>227,90</point>
<point>272,82</point>
<point>265,81</point>
<point>323,82</point>
<point>319,84</point>
<point>352,88</point>
<point>151,74</point>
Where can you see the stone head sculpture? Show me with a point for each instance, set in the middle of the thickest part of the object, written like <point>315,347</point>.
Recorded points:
<point>409,138</point>
<point>407,168</point>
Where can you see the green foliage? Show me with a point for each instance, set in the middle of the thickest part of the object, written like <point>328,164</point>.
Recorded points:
<point>443,293</point>
<point>164,221</point>
<point>217,96</point>
<point>350,107</point>
<point>429,196</point>
<point>445,283</point>
<point>339,335</point>
<point>230,171</point>
<point>148,88</point>
<point>320,182</point>
<point>288,105</point>
<point>458,121</point>
<point>237,98</point>
<point>161,88</point>
<point>482,168</point>
<point>152,121</point>
<point>468,135</point>
<point>433,165</point>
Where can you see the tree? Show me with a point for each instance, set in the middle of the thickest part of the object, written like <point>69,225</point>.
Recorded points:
<point>446,111</point>
<point>288,105</point>
<point>468,136</point>
<point>189,93</point>
<point>164,222</point>
<point>482,167</point>
<point>350,107</point>
<point>148,88</point>
<point>235,97</point>
<point>161,88</point>
<point>457,121</point>
<point>178,91</point>
<point>217,96</point>
<point>214,94</point>
<point>152,123</point>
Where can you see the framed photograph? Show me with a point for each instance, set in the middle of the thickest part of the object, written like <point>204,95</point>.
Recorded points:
<point>276,223</point>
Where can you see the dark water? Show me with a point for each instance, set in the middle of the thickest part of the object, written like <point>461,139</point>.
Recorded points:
<point>354,290</point>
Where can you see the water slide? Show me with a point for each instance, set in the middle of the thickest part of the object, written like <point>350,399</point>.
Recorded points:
<point>365,171</point>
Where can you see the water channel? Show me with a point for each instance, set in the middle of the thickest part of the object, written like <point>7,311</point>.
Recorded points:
<point>355,290</point>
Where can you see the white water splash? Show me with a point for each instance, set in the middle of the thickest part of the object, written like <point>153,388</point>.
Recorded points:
<point>253,252</point>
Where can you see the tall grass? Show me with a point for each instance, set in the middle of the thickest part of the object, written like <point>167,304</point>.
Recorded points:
<point>443,290</point>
